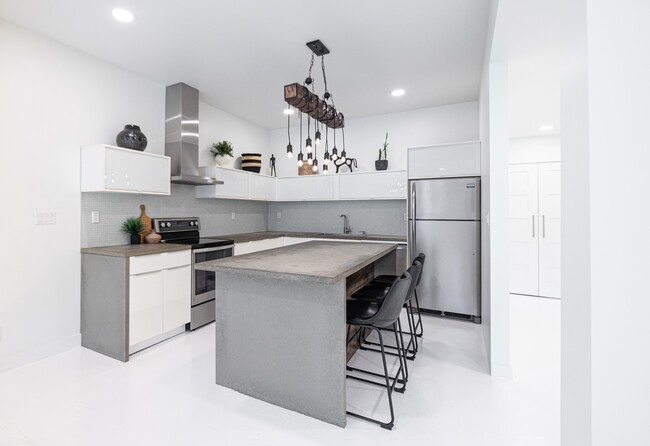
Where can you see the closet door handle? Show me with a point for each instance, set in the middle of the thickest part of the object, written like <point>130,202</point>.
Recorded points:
<point>533,226</point>
<point>543,226</point>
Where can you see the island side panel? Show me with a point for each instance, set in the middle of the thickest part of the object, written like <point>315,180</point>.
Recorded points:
<point>283,341</point>
<point>104,305</point>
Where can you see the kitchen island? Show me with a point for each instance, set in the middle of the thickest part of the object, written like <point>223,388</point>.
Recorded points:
<point>280,321</point>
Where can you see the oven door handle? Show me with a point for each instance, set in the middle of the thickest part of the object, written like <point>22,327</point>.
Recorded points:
<point>218,248</point>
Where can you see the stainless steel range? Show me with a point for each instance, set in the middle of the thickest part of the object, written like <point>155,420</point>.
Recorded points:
<point>186,231</point>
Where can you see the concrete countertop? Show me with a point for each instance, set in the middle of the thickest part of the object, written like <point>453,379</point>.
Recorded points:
<point>253,236</point>
<point>135,250</point>
<point>318,261</point>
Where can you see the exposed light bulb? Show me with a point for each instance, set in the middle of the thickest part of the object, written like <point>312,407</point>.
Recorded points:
<point>317,138</point>
<point>300,163</point>
<point>314,168</point>
<point>310,161</point>
<point>288,111</point>
<point>289,155</point>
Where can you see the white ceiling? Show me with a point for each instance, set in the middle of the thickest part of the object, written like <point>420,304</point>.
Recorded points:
<point>240,54</point>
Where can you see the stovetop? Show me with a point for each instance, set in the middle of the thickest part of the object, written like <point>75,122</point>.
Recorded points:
<point>199,242</point>
<point>185,231</point>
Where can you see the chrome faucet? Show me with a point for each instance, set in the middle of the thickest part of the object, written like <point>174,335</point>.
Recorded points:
<point>346,227</point>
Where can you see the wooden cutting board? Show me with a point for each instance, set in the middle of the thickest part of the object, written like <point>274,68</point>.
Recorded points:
<point>146,221</point>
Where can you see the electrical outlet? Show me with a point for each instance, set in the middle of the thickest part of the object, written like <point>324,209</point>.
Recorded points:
<point>232,216</point>
<point>46,218</point>
<point>279,215</point>
<point>94,217</point>
<point>406,217</point>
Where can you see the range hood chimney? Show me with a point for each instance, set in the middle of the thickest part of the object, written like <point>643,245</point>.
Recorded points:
<point>182,135</point>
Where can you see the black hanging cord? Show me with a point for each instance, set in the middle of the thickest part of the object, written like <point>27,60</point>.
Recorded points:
<point>300,132</point>
<point>289,126</point>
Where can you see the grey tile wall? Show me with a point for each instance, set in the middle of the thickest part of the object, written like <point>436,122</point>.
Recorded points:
<point>215,214</point>
<point>385,217</point>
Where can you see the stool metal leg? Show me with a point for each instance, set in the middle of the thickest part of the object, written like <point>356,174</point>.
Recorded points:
<point>389,390</point>
<point>419,324</point>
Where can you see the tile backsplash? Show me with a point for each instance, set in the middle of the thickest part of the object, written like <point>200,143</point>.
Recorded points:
<point>215,214</point>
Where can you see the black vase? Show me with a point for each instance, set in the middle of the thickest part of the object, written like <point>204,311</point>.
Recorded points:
<point>381,164</point>
<point>135,239</point>
<point>131,138</point>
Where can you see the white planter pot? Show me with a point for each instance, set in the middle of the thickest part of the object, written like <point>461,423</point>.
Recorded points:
<point>224,161</point>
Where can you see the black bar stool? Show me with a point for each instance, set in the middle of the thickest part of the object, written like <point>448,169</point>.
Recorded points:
<point>377,293</point>
<point>389,279</point>
<point>375,315</point>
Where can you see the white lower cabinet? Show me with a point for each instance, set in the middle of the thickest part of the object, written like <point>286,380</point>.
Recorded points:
<point>258,245</point>
<point>534,229</point>
<point>160,287</point>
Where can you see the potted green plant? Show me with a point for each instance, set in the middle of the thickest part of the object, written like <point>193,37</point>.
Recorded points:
<point>134,227</point>
<point>382,163</point>
<point>222,152</point>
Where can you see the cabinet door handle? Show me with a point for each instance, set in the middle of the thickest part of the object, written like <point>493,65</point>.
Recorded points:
<point>533,226</point>
<point>543,226</point>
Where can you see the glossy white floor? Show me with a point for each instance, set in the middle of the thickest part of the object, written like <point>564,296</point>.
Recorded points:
<point>166,395</point>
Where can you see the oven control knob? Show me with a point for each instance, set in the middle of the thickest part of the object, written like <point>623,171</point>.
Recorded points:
<point>167,224</point>
<point>196,223</point>
<point>191,223</point>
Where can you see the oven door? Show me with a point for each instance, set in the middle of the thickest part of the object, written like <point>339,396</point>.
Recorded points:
<point>203,282</point>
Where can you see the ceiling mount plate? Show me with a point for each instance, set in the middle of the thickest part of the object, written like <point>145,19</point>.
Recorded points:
<point>318,48</point>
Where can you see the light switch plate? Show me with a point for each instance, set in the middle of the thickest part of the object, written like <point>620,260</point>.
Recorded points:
<point>406,217</point>
<point>94,217</point>
<point>46,218</point>
<point>279,215</point>
<point>232,216</point>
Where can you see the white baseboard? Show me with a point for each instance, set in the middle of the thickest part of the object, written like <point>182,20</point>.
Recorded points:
<point>501,371</point>
<point>40,352</point>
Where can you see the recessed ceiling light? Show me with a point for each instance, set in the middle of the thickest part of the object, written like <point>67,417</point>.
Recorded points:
<point>398,92</point>
<point>122,15</point>
<point>288,111</point>
<point>546,127</point>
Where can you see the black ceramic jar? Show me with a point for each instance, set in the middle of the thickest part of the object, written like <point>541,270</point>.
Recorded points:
<point>132,138</point>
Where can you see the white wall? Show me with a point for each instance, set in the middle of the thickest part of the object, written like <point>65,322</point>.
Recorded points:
<point>54,99</point>
<point>217,125</point>
<point>536,149</point>
<point>605,342</point>
<point>365,136</point>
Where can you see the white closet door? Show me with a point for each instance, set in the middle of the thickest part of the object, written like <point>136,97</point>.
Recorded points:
<point>524,229</point>
<point>549,242</point>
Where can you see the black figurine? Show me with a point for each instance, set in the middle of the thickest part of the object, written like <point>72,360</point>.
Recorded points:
<point>273,172</point>
<point>348,162</point>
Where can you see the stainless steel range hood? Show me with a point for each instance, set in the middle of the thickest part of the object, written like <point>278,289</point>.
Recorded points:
<point>182,135</point>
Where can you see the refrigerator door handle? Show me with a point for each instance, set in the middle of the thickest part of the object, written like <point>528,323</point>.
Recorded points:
<point>411,240</point>
<point>412,203</point>
<point>543,226</point>
<point>533,226</point>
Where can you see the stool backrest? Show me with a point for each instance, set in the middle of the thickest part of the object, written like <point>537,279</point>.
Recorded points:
<point>415,271</point>
<point>420,258</point>
<point>392,304</point>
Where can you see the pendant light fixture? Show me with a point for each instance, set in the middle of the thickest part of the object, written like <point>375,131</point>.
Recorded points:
<point>322,111</point>
<point>289,146</point>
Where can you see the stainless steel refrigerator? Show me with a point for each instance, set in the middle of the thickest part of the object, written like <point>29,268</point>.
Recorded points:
<point>444,219</point>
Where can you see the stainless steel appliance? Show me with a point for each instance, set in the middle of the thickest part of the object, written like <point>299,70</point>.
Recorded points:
<point>186,231</point>
<point>444,219</point>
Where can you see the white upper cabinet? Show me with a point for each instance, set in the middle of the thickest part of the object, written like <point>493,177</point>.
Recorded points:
<point>389,184</point>
<point>262,187</point>
<point>307,188</point>
<point>235,184</point>
<point>445,160</point>
<point>107,168</point>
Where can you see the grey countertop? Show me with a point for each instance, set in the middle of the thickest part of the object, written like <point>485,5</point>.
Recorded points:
<point>253,236</point>
<point>317,261</point>
<point>135,250</point>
